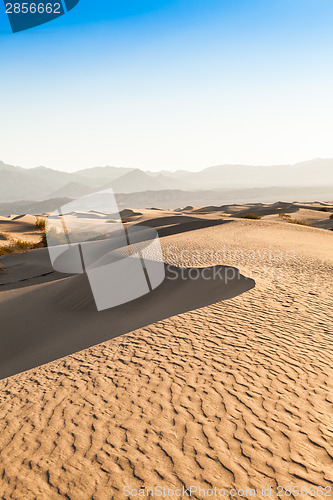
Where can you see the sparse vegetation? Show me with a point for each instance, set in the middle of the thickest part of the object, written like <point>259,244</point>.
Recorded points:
<point>19,246</point>
<point>300,222</point>
<point>40,223</point>
<point>284,216</point>
<point>60,238</point>
<point>249,215</point>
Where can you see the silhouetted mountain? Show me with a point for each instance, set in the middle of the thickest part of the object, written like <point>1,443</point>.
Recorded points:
<point>17,183</point>
<point>72,190</point>
<point>135,181</point>
<point>102,175</point>
<point>173,198</point>
<point>31,207</point>
<point>49,176</point>
<point>313,173</point>
<point>177,198</point>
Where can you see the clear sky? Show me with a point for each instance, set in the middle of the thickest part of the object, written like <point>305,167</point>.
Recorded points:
<point>172,84</point>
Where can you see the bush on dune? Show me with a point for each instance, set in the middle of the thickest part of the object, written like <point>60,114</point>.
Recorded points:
<point>40,223</point>
<point>300,222</point>
<point>19,246</point>
<point>250,216</point>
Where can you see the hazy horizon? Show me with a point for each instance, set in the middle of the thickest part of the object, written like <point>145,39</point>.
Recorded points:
<point>157,170</point>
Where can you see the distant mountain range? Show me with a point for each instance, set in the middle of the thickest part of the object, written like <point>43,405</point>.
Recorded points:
<point>41,183</point>
<point>175,198</point>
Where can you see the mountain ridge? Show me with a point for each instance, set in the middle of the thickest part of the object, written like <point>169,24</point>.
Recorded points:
<point>40,183</point>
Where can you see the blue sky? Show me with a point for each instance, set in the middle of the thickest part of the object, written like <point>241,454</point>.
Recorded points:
<point>169,84</point>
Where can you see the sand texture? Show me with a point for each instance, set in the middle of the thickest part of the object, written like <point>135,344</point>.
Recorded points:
<point>226,393</point>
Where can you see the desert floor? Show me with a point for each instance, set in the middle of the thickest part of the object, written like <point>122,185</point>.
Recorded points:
<point>237,394</point>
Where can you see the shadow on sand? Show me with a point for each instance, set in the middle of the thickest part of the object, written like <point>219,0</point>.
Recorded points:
<point>41,324</point>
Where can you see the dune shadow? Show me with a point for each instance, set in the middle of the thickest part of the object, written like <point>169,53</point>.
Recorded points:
<point>60,318</point>
<point>168,226</point>
<point>25,269</point>
<point>19,270</point>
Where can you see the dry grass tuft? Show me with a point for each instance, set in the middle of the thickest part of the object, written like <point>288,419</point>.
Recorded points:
<point>250,216</point>
<point>40,223</point>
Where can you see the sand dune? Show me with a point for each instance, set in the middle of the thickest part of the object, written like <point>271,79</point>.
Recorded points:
<point>68,320</point>
<point>315,214</point>
<point>234,393</point>
<point>20,228</point>
<point>20,268</point>
<point>29,219</point>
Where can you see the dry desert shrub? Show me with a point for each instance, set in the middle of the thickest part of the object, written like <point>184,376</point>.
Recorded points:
<point>20,246</point>
<point>250,216</point>
<point>298,221</point>
<point>40,223</point>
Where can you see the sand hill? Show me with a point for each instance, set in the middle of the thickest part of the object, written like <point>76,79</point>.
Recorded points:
<point>212,386</point>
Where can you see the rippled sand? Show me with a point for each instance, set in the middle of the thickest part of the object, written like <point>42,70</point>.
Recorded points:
<point>235,394</point>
